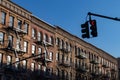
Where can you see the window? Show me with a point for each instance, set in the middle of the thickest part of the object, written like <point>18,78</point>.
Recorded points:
<point>44,70</point>
<point>39,36</point>
<point>39,51</point>
<point>62,44</point>
<point>9,60</point>
<point>39,68</point>
<point>51,56</point>
<point>19,24</point>
<point>57,41</point>
<point>17,64</point>
<point>18,44</point>
<point>33,33</point>
<point>3,20</point>
<point>32,66</point>
<point>25,46</point>
<point>51,40</point>
<point>1,59</point>
<point>46,38</point>
<point>75,50</point>
<point>24,64</point>
<point>56,56</point>
<point>11,21</point>
<point>78,51</point>
<point>10,42</point>
<point>26,27</point>
<point>1,37</point>
<point>67,45</point>
<point>33,49</point>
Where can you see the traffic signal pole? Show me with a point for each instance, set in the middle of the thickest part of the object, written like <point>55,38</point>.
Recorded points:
<point>93,27</point>
<point>107,17</point>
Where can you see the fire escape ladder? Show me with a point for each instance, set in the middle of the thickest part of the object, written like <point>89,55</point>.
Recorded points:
<point>17,35</point>
<point>46,52</point>
<point>18,38</point>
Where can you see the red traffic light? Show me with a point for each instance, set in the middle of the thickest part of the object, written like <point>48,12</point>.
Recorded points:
<point>93,28</point>
<point>93,22</point>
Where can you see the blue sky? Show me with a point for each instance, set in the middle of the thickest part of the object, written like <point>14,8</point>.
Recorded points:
<point>70,14</point>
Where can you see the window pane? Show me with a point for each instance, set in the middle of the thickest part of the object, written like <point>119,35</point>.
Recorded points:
<point>1,37</point>
<point>3,18</point>
<point>56,56</point>
<point>8,60</point>
<point>51,56</point>
<point>33,33</point>
<point>33,49</point>
<point>45,38</point>
<point>18,44</point>
<point>39,36</point>
<point>24,64</point>
<point>26,27</point>
<point>19,24</point>
<point>25,46</point>
<point>39,51</point>
<point>32,66</point>
<point>10,44</point>
<point>17,64</point>
<point>11,21</point>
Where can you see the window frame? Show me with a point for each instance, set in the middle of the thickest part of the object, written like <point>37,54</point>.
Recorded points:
<point>11,21</point>
<point>33,33</point>
<point>33,49</point>
<point>9,60</point>
<point>24,64</point>
<point>51,55</point>
<point>25,47</point>
<point>26,27</point>
<point>1,37</point>
<point>39,38</point>
<point>19,24</point>
<point>3,18</point>
<point>32,66</point>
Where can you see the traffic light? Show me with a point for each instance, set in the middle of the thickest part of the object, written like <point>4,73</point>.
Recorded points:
<point>85,30</point>
<point>93,28</point>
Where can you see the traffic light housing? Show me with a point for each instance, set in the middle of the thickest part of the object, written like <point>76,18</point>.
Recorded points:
<point>93,28</point>
<point>85,30</point>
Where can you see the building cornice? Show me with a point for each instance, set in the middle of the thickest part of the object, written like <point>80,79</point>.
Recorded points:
<point>42,24</point>
<point>16,8</point>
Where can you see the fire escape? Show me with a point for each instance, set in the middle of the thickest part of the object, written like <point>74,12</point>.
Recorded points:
<point>9,45</point>
<point>13,48</point>
<point>44,57</point>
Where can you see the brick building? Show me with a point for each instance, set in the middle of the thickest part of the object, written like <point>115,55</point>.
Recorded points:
<point>31,49</point>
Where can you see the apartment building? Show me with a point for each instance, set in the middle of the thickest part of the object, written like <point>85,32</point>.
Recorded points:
<point>32,49</point>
